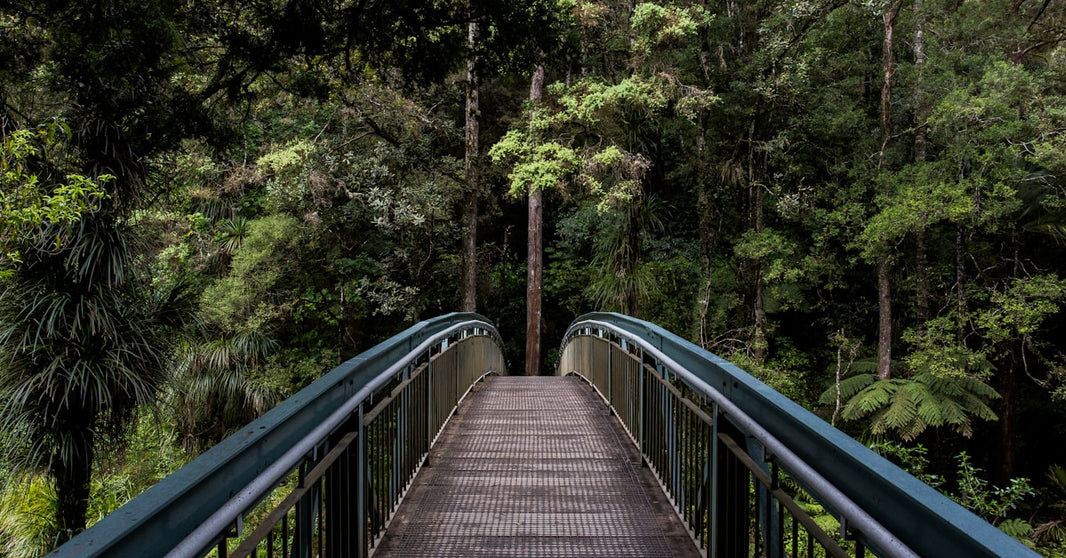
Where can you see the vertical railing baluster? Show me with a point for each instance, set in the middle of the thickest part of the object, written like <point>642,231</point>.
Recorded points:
<point>641,407</point>
<point>285,535</point>
<point>795,536</point>
<point>430,407</point>
<point>361,487</point>
<point>321,511</point>
<point>713,548</point>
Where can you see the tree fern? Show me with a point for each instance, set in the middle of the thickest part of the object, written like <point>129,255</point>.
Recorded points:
<point>906,407</point>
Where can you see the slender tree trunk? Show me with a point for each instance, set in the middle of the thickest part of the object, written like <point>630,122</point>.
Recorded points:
<point>960,276</point>
<point>921,257</point>
<point>922,109</point>
<point>534,261</point>
<point>920,114</point>
<point>1007,392</point>
<point>756,223</point>
<point>1008,389</point>
<point>73,478</point>
<point>839,376</point>
<point>533,283</point>
<point>887,65</point>
<point>707,236</point>
<point>884,284</point>
<point>884,330</point>
<point>469,264</point>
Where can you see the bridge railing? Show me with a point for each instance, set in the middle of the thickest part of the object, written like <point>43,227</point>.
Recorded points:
<point>322,472</point>
<point>735,456</point>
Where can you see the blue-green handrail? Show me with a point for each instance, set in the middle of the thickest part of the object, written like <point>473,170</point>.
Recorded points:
<point>916,519</point>
<point>214,488</point>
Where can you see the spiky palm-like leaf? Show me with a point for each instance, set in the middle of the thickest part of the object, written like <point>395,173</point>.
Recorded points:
<point>1052,224</point>
<point>212,390</point>
<point>622,278</point>
<point>232,234</point>
<point>83,344</point>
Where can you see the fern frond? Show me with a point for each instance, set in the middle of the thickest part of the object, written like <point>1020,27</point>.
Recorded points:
<point>870,399</point>
<point>865,366</point>
<point>951,412</point>
<point>878,425</point>
<point>958,417</point>
<point>902,408</point>
<point>1019,529</point>
<point>978,407</point>
<point>908,406</point>
<point>944,386</point>
<point>848,388</point>
<point>912,430</point>
<point>930,407</point>
<point>978,388</point>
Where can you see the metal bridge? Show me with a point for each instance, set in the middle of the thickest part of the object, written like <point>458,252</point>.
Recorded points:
<point>647,446</point>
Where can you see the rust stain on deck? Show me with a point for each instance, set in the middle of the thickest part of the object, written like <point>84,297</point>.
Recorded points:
<point>535,466</point>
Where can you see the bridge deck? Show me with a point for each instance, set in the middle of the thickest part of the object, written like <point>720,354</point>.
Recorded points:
<point>535,467</point>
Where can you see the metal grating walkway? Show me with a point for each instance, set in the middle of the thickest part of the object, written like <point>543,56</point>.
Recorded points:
<point>535,466</point>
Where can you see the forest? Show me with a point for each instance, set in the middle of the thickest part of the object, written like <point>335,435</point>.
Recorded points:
<point>207,204</point>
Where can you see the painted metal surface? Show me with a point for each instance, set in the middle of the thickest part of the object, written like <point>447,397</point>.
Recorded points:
<point>535,466</point>
<point>894,513</point>
<point>413,380</point>
<point>183,514</point>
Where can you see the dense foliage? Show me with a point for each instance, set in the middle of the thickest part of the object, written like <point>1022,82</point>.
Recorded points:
<point>207,204</point>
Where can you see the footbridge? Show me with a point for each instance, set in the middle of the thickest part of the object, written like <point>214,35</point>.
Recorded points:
<point>643,444</point>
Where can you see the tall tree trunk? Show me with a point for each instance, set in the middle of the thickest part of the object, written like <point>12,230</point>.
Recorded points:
<point>960,277</point>
<point>921,256</point>
<point>707,236</point>
<point>1007,391</point>
<point>921,112</point>
<point>1008,388</point>
<point>884,285</point>
<point>756,223</point>
<point>534,261</point>
<point>884,329</point>
<point>469,264</point>
<point>888,67</point>
<point>921,106</point>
